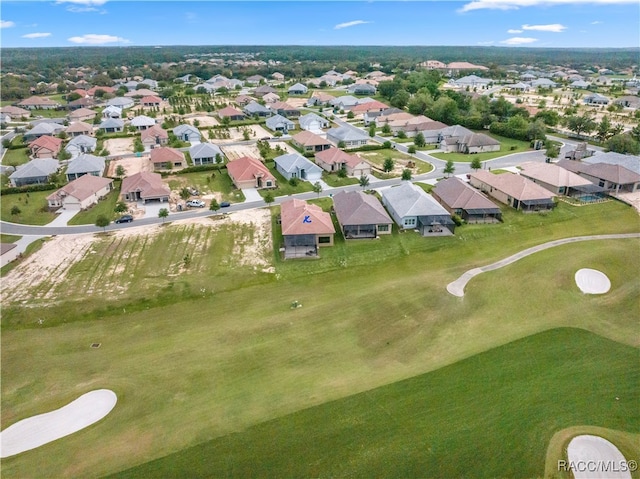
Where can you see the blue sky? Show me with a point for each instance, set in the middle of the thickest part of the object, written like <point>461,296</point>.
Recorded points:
<point>524,23</point>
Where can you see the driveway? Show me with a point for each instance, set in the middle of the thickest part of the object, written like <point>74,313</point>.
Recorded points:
<point>152,209</point>
<point>251,194</point>
<point>63,217</point>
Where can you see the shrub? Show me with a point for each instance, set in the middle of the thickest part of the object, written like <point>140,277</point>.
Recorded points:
<point>294,182</point>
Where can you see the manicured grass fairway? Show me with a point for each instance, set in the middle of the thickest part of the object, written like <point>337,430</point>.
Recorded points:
<point>491,415</point>
<point>190,366</point>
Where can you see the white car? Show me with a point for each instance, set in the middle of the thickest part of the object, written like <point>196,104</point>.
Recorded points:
<point>195,203</point>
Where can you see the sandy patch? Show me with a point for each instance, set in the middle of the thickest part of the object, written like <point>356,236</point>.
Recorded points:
<point>237,134</point>
<point>131,165</point>
<point>255,251</point>
<point>296,102</point>
<point>38,430</point>
<point>119,146</point>
<point>591,281</point>
<point>233,152</point>
<point>204,121</point>
<point>595,457</point>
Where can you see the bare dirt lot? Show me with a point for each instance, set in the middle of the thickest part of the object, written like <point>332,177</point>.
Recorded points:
<point>119,146</point>
<point>131,165</point>
<point>204,121</point>
<point>236,134</point>
<point>233,152</point>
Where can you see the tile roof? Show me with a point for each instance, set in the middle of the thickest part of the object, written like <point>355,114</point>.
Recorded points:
<point>229,111</point>
<point>49,142</point>
<point>205,150</point>
<point>82,188</point>
<point>165,155</point>
<point>307,138</point>
<point>301,218</point>
<point>516,186</point>
<point>79,126</point>
<point>457,194</point>
<point>359,208</point>
<point>336,155</point>
<point>247,168</point>
<point>156,131</point>
<point>551,174</point>
<point>294,162</point>
<point>36,168</point>
<point>149,185</point>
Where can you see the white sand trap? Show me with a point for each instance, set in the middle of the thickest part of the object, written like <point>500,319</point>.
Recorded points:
<point>592,457</point>
<point>591,281</point>
<point>38,430</point>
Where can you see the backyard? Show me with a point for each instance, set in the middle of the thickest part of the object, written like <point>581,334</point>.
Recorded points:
<point>401,160</point>
<point>507,147</point>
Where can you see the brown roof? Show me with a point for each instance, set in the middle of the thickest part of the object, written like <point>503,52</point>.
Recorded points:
<point>301,218</point>
<point>150,99</point>
<point>45,141</point>
<point>335,155</point>
<point>404,117</point>
<point>81,112</point>
<point>281,105</point>
<point>306,138</point>
<point>551,174</point>
<point>513,185</point>
<point>247,168</point>
<point>229,111</point>
<point>14,111</point>
<point>457,194</point>
<point>166,155</point>
<point>153,132</point>
<point>143,92</point>
<point>321,96</point>
<point>82,188</point>
<point>369,106</point>
<point>465,66</point>
<point>79,126</point>
<point>92,91</point>
<point>38,101</point>
<point>613,173</point>
<point>149,185</point>
<point>359,208</point>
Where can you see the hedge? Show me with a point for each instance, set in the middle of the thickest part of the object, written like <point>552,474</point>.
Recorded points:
<point>28,188</point>
<point>367,148</point>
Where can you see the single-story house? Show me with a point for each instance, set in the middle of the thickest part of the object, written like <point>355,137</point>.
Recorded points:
<point>82,114</point>
<point>313,122</point>
<point>371,116</point>
<point>349,136</point>
<point>630,162</point>
<point>79,128</point>
<point>106,89</point>
<point>81,103</point>
<point>334,160</point>
<point>112,125</point>
<point>45,147</point>
<point>469,144</point>
<point>297,89</point>
<point>85,164</point>
<point>513,190</point>
<point>34,172</point>
<point>319,98</point>
<point>243,100</point>
<point>145,186</point>
<point>596,99</point>
<point>15,112</point>
<point>42,129</point>
<point>154,137</point>
<point>81,144</point>
<point>121,102</point>
<point>165,158</point>
<point>150,101</point>
<point>613,178</point>
<point>463,200</point>
<point>362,89</point>
<point>38,103</point>
<point>80,193</point>
<point>187,133</point>
<point>205,154</point>
<point>232,113</point>
<point>255,108</point>
<point>262,90</point>
<point>369,106</point>
<point>277,76</point>
<point>270,98</point>
<point>412,208</point>
<point>310,142</point>
<point>279,123</point>
<point>284,109</point>
<point>255,79</point>
<point>559,180</point>
<point>305,227</point>
<point>346,102</point>
<point>472,81</point>
<point>142,92</point>
<point>361,215</point>
<point>142,122</point>
<point>112,112</point>
<point>246,172</point>
<point>294,165</point>
<point>430,129</point>
<point>628,101</point>
<point>391,115</point>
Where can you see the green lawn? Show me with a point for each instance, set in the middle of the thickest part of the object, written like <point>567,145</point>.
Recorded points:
<point>32,206</point>
<point>507,146</point>
<point>49,113</point>
<point>4,238</point>
<point>377,158</point>
<point>332,179</point>
<point>104,207</point>
<point>16,157</point>
<point>207,182</point>
<point>283,187</point>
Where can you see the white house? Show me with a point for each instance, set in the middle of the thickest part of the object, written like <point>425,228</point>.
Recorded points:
<point>295,165</point>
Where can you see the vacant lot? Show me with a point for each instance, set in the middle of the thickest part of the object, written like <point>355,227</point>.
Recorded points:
<point>237,133</point>
<point>131,165</point>
<point>118,146</point>
<point>31,208</point>
<point>233,152</point>
<point>401,161</point>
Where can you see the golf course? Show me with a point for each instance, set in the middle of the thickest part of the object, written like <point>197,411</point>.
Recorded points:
<point>379,372</point>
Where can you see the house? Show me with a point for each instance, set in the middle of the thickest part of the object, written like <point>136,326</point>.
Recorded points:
<point>613,178</point>
<point>142,122</point>
<point>454,132</point>
<point>187,133</point>
<point>112,112</point>
<point>206,154</point>
<point>244,99</point>
<point>460,199</point>
<point>558,180</point>
<point>14,112</point>
<point>255,79</point>
<point>280,123</point>
<point>513,190</point>
<point>543,83</point>
<point>297,89</point>
<point>112,125</point>
<point>284,109</point>
<point>470,143</point>
<point>247,172</point>
<point>145,186</point>
<point>79,128</point>
<point>38,103</point>
<point>270,98</point>
<point>412,208</point>
<point>369,106</point>
<point>319,98</point>
<point>81,103</point>
<point>34,172</point>
<point>121,102</point>
<point>150,101</point>
<point>596,99</point>
<point>153,137</point>
<point>85,164</point>
<point>81,144</point>
<point>81,193</point>
<point>42,129</point>
<point>232,113</point>
<point>350,137</point>
<point>263,90</point>
<point>334,160</point>
<point>628,101</point>
<point>313,122</point>
<point>45,147</point>
<point>472,82</point>
<point>362,89</point>
<point>256,109</point>
<point>277,76</point>
<point>142,92</point>
<point>430,129</point>
<point>305,228</point>
<point>346,102</point>
<point>361,215</point>
<point>310,142</point>
<point>580,84</point>
<point>630,162</point>
<point>294,165</point>
<point>106,89</point>
<point>165,158</point>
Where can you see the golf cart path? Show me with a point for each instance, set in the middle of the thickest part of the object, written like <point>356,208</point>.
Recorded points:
<point>456,287</point>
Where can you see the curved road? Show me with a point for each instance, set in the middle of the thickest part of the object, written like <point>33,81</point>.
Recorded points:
<point>456,287</point>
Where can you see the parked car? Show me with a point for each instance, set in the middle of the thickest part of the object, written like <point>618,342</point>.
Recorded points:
<point>225,204</point>
<point>124,219</point>
<point>195,203</point>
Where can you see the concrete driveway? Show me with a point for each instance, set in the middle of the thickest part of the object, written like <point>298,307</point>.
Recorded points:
<point>63,217</point>
<point>251,194</point>
<point>152,209</point>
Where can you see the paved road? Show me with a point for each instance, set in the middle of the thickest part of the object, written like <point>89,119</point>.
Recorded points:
<point>456,287</point>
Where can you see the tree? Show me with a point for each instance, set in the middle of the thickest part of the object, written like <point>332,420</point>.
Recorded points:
<point>406,174</point>
<point>372,130</point>
<point>419,140</point>
<point>317,188</point>
<point>411,149</point>
<point>15,210</point>
<point>401,134</point>
<point>623,144</point>
<point>580,124</point>
<point>185,193</point>
<point>342,144</point>
<point>163,213</point>
<point>400,99</point>
<point>604,129</point>
<point>449,168</point>
<point>388,164</point>
<point>386,129</point>
<point>363,181</point>
<point>269,198</point>
<point>102,222</point>
<point>476,164</point>
<point>120,207</point>
<point>219,161</point>
<point>350,115</point>
<point>214,205</point>
<point>120,171</point>
<point>246,135</point>
<point>342,173</point>
<point>552,150</point>
<point>64,155</point>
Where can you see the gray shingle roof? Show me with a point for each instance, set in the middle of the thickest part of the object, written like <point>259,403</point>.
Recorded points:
<point>294,162</point>
<point>359,208</point>
<point>411,200</point>
<point>86,164</point>
<point>344,133</point>
<point>36,168</point>
<point>205,150</point>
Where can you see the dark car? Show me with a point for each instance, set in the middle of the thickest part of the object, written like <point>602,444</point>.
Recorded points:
<point>124,219</point>
<point>225,204</point>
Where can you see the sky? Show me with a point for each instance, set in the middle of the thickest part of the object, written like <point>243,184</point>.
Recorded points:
<point>501,23</point>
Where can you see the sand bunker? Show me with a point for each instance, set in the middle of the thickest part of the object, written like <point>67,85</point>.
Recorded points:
<point>38,430</point>
<point>591,281</point>
<point>595,457</point>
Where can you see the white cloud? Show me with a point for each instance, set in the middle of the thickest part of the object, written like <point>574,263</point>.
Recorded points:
<point>36,35</point>
<point>516,4</point>
<point>6,24</point>
<point>349,24</point>
<point>83,2</point>
<point>512,31</point>
<point>552,27</point>
<point>518,41</point>
<point>95,39</point>
<point>74,9</point>
<point>597,22</point>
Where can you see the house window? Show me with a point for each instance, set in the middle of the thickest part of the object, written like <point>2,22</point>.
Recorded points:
<point>324,239</point>
<point>410,222</point>
<point>383,227</point>
<point>268,183</point>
